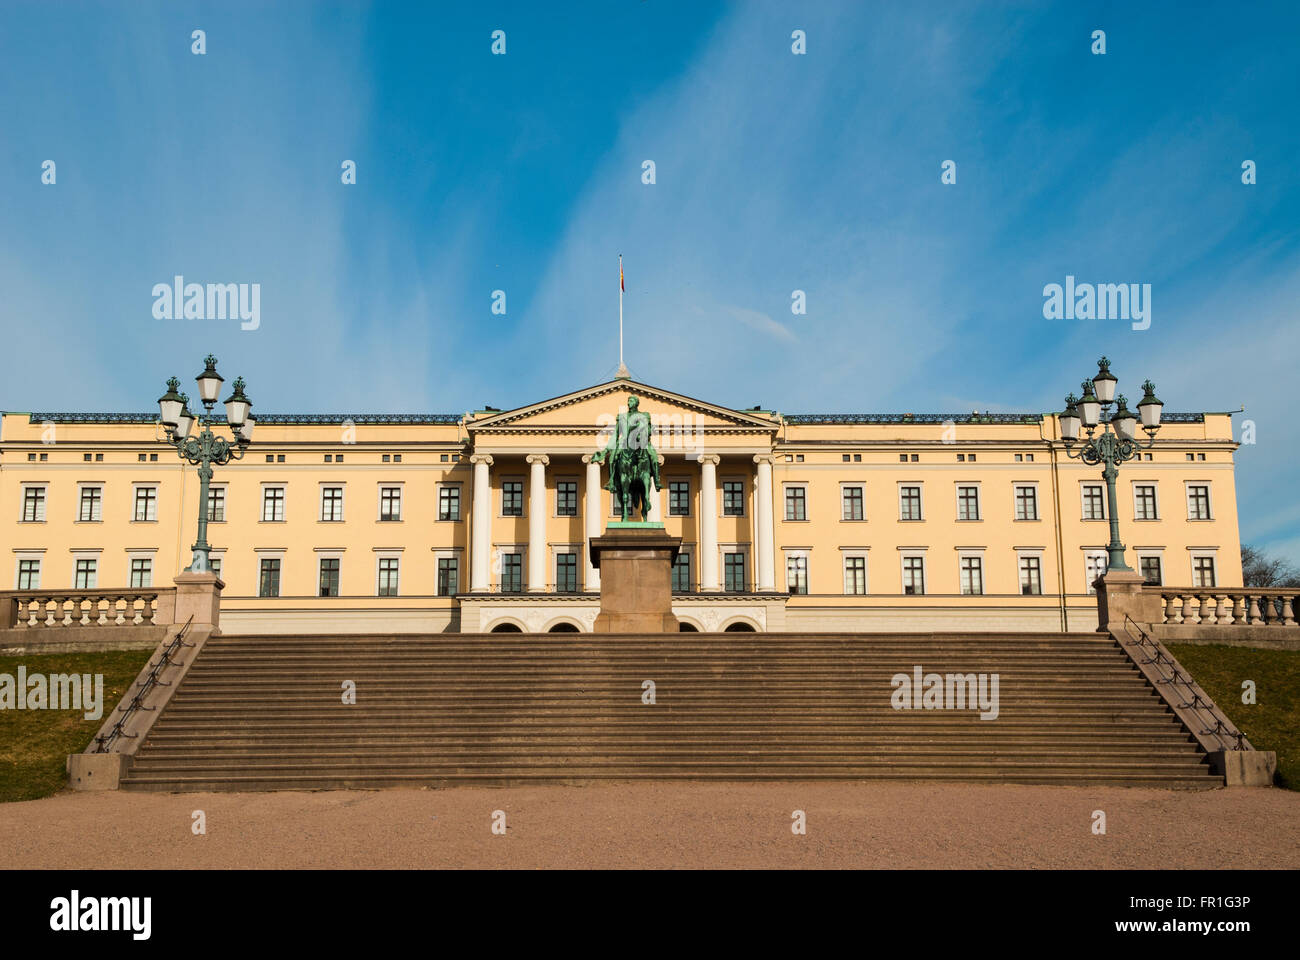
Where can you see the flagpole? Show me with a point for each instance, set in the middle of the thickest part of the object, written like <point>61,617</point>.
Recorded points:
<point>622,370</point>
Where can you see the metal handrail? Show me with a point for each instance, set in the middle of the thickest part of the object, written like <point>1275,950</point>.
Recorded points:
<point>1191,699</point>
<point>104,743</point>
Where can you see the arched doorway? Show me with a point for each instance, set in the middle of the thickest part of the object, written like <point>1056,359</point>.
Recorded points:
<point>506,628</point>
<point>684,627</point>
<point>739,626</point>
<point>564,627</point>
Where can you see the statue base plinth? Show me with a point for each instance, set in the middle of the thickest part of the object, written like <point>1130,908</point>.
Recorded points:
<point>636,586</point>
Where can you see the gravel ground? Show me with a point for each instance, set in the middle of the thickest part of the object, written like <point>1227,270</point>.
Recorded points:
<point>662,825</point>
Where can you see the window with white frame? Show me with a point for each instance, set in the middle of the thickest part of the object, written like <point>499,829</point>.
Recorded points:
<point>682,572</point>
<point>1031,574</point>
<point>86,573</point>
<point>733,498</point>
<point>968,502</point>
<point>566,572</point>
<point>1198,501</point>
<point>146,504</point>
<point>796,572</point>
<point>1203,570</point>
<point>1144,502</point>
<point>566,498</point>
<point>851,502</point>
<point>733,565</point>
<point>33,504</point>
<point>331,504</point>
<point>390,505</point>
<point>91,504</point>
<point>1094,501</point>
<point>512,498</point>
<point>679,498</point>
<point>388,576</point>
<point>1026,501</point>
<point>909,502</point>
<point>855,574</point>
<point>1095,563</point>
<point>512,571</point>
<point>449,502</point>
<point>268,581</point>
<point>972,574</point>
<point>272,506</point>
<point>29,573</point>
<point>216,504</point>
<point>796,502</point>
<point>1150,566</point>
<point>913,573</point>
<point>329,576</point>
<point>141,572</point>
<point>448,575</point>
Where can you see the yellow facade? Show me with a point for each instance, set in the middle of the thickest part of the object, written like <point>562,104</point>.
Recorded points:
<point>784,501</point>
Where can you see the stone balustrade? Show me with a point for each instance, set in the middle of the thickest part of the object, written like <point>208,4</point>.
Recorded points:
<point>139,606</point>
<point>1228,606</point>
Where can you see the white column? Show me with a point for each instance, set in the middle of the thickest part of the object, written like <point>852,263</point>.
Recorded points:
<point>709,522</point>
<point>654,504</point>
<point>481,544</point>
<point>591,520</point>
<point>764,534</point>
<point>537,553</point>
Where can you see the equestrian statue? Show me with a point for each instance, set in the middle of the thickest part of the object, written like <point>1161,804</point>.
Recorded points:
<point>633,461</point>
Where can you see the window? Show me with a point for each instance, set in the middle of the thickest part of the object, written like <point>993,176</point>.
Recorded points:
<point>916,457</point>
<point>1198,502</point>
<point>269,582</point>
<point>1094,502</point>
<point>388,576</point>
<point>273,505</point>
<point>914,575</point>
<point>679,499</point>
<point>390,505</point>
<point>87,571</point>
<point>449,502</point>
<point>331,504</point>
<point>338,458</point>
<point>902,458</point>
<point>844,457</point>
<point>968,503</point>
<point>29,574</point>
<point>566,498</point>
<point>961,458</point>
<point>1026,502</point>
<point>215,564</point>
<point>448,576</point>
<point>512,573</point>
<point>796,503</point>
<point>970,457</point>
<point>734,565</point>
<point>1144,501</point>
<point>1031,576</point>
<point>33,504</point>
<point>216,504</point>
<point>141,572</point>
<point>329,577</point>
<point>279,458</point>
<point>851,501</point>
<point>909,503</point>
<point>566,572</point>
<point>146,503</point>
<point>733,498</point>
<point>1094,566</point>
<point>91,504</point>
<point>512,498</point>
<point>796,573</point>
<point>682,572</point>
<point>1203,572</point>
<point>972,576</point>
<point>1149,567</point>
<point>855,576</point>
<point>329,458</point>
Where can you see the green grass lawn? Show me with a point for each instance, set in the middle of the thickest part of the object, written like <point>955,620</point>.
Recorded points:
<point>1273,722</point>
<point>34,744</point>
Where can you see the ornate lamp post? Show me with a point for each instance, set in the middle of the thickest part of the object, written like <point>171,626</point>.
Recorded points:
<point>206,449</point>
<point>1109,448</point>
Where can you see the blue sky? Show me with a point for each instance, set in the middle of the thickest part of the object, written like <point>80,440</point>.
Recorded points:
<point>774,172</point>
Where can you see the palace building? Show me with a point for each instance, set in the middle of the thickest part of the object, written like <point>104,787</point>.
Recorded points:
<point>480,521</point>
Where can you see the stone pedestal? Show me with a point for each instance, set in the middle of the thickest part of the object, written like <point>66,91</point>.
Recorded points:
<point>636,586</point>
<point>199,595</point>
<point>1122,592</point>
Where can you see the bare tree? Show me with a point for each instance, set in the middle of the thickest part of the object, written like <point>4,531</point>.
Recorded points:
<point>1258,569</point>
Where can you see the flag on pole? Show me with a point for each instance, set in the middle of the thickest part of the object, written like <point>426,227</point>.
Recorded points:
<point>621,288</point>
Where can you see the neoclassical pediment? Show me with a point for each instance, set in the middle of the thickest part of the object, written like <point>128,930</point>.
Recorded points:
<point>596,407</point>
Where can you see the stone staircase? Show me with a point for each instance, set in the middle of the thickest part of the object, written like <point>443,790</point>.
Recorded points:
<point>266,713</point>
